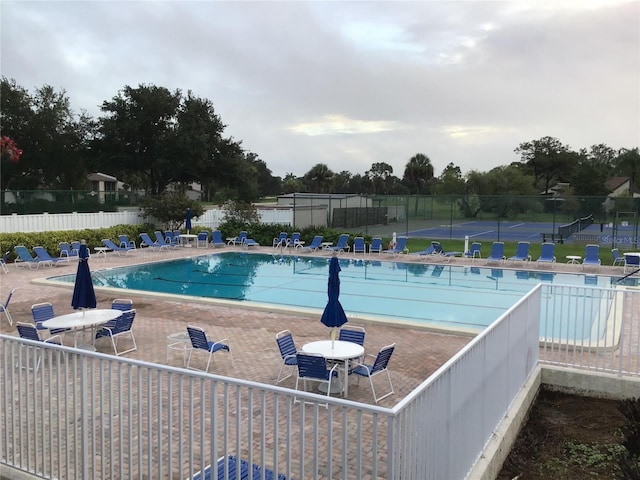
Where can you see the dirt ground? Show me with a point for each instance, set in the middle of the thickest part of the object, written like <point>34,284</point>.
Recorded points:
<point>567,437</point>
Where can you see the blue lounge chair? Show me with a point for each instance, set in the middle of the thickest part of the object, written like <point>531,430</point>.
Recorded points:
<point>199,341</point>
<point>379,365</point>
<point>591,255</point>
<point>243,240</point>
<point>162,241</point>
<point>497,252</point>
<point>125,242</point>
<point>25,258</point>
<point>281,240</point>
<point>632,262</point>
<point>115,248</point>
<point>342,245</point>
<point>430,250</point>
<point>474,251</point>
<point>315,244</point>
<point>522,253</point>
<point>43,256</point>
<point>399,248</point>
<point>294,241</point>
<point>147,242</point>
<point>234,469</point>
<point>288,352</point>
<point>359,246</point>
<point>547,253</point>
<point>617,258</point>
<point>67,252</point>
<point>376,246</point>
<point>202,240</point>
<point>216,239</point>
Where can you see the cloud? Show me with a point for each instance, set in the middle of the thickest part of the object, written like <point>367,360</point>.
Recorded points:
<point>352,83</point>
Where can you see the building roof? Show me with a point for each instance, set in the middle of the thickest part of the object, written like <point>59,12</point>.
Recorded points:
<point>616,182</point>
<point>97,177</point>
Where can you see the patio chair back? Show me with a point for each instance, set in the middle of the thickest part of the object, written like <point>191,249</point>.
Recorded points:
<point>123,304</point>
<point>591,255</point>
<point>199,341</point>
<point>295,239</point>
<point>216,238</point>
<point>383,358</point>
<point>125,242</point>
<point>288,352</point>
<point>352,334</point>
<point>547,252</point>
<point>617,258</point>
<point>497,251</point>
<point>28,331</point>
<point>474,251</point>
<point>312,366</point>
<point>203,239</point>
<point>41,312</point>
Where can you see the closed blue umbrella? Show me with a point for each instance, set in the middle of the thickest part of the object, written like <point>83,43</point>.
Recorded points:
<point>333,315</point>
<point>83,294</point>
<point>187,220</point>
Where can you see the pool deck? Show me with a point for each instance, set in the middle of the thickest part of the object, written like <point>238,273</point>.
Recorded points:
<point>418,353</point>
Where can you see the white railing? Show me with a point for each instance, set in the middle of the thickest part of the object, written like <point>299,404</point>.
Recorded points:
<point>47,222</point>
<point>591,328</point>
<point>80,414</point>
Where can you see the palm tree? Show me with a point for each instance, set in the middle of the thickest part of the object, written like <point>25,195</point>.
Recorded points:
<point>319,178</point>
<point>418,174</point>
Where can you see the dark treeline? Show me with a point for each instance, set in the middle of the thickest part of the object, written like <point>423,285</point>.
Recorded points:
<point>152,138</point>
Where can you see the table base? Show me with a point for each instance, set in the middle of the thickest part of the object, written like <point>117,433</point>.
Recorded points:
<point>336,386</point>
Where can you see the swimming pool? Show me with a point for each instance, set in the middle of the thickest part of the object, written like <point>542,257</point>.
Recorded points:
<point>453,297</point>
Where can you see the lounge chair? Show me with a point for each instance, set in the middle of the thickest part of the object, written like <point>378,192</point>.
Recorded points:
<point>147,242</point>
<point>342,244</point>
<point>121,326</point>
<point>202,240</point>
<point>632,262</point>
<point>120,251</point>
<point>295,241</point>
<point>497,252</point>
<point>474,251</point>
<point>617,258</point>
<point>547,253</point>
<point>376,246</point>
<point>243,240</point>
<point>199,341</point>
<point>359,246</point>
<point>125,242</point>
<point>315,244</point>
<point>281,240</point>
<point>399,248</point>
<point>171,239</point>
<point>25,258</point>
<point>591,255</point>
<point>216,239</point>
<point>430,250</point>
<point>378,366</point>
<point>66,251</point>
<point>522,253</point>
<point>288,352</point>
<point>4,308</point>
<point>43,256</point>
<point>162,241</point>
<point>235,469</point>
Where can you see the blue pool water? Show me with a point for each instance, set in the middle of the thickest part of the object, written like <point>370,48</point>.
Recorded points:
<point>463,297</point>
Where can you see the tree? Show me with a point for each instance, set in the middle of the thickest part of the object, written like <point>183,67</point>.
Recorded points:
<point>379,174</point>
<point>341,182</point>
<point>291,183</point>
<point>547,158</point>
<point>318,179</point>
<point>418,174</point>
<point>450,181</point>
<point>628,163</point>
<point>170,209</point>
<point>54,139</point>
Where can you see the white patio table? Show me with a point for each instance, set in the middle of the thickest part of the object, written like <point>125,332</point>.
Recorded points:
<point>83,319</point>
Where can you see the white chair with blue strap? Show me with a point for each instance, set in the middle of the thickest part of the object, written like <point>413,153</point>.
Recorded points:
<point>288,352</point>
<point>4,308</point>
<point>379,365</point>
<point>122,326</point>
<point>313,367</point>
<point>199,341</point>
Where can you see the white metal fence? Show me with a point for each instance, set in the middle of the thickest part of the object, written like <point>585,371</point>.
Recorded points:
<point>69,413</point>
<point>46,222</point>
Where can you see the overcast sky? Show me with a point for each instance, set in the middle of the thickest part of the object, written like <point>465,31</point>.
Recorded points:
<point>349,84</point>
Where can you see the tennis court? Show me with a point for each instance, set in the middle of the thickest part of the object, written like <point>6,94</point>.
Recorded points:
<point>489,230</point>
